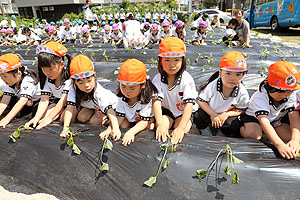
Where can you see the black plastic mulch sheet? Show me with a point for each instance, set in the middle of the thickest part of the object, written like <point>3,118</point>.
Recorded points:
<point>41,162</point>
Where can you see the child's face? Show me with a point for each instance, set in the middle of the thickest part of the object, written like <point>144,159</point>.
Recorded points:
<point>166,28</point>
<point>131,91</point>
<point>231,79</point>
<point>3,34</point>
<point>278,96</point>
<point>180,29</point>
<point>107,31</point>
<point>86,34</point>
<point>116,32</point>
<point>86,84</point>
<point>203,29</point>
<point>231,26</point>
<point>171,65</point>
<point>54,71</point>
<point>154,32</point>
<point>67,24</point>
<point>11,34</point>
<point>9,78</point>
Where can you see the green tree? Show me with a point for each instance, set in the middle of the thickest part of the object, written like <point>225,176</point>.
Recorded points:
<point>125,4</point>
<point>210,3</point>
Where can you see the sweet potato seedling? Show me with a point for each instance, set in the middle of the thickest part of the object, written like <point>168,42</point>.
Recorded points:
<point>16,134</point>
<point>106,145</point>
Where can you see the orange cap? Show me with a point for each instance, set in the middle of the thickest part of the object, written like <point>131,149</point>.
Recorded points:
<point>81,67</point>
<point>171,47</point>
<point>132,72</point>
<point>284,75</point>
<point>9,62</point>
<point>233,61</point>
<point>52,47</point>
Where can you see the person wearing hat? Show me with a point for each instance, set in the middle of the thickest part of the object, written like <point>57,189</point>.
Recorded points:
<point>55,35</point>
<point>174,15</point>
<point>116,35</point>
<point>132,36</point>
<point>179,30</point>
<point>106,37</point>
<point>103,15</point>
<point>68,35</point>
<point>29,37</point>
<point>200,34</point>
<point>134,107</point>
<point>109,16</point>
<point>153,36</point>
<point>37,23</point>
<point>162,15</point>
<point>223,97</point>
<point>166,30</point>
<point>88,14</point>
<point>175,102</point>
<point>88,98</point>
<point>146,29</point>
<point>147,15</point>
<point>122,15</point>
<point>167,15</point>
<point>4,23</point>
<point>116,15</point>
<point>155,15</point>
<point>3,33</point>
<point>11,37</point>
<point>22,89</point>
<point>272,110</point>
<point>13,24</point>
<point>137,14</point>
<point>128,12</point>
<point>86,37</point>
<point>53,67</point>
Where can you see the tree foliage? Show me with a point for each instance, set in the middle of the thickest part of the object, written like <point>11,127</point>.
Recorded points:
<point>210,3</point>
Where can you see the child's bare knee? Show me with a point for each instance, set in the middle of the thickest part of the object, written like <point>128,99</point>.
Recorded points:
<point>82,118</point>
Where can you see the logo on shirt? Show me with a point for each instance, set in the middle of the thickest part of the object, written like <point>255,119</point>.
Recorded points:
<point>25,87</point>
<point>137,113</point>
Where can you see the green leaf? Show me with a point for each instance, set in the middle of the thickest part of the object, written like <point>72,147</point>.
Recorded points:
<point>76,149</point>
<point>298,155</point>
<point>235,178</point>
<point>12,139</point>
<point>16,134</point>
<point>174,147</point>
<point>227,170</point>
<point>166,164</point>
<point>70,141</point>
<point>151,181</point>
<point>201,173</point>
<point>104,167</point>
<point>70,129</point>
<point>28,128</point>
<point>164,147</point>
<point>236,160</point>
<point>108,145</point>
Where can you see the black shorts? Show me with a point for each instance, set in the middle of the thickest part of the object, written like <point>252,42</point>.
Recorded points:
<point>168,113</point>
<point>26,109</point>
<point>247,118</point>
<point>122,20</point>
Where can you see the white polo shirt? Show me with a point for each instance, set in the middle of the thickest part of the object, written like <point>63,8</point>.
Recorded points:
<point>135,112</point>
<point>184,91</point>
<point>164,35</point>
<point>27,89</point>
<point>212,94</point>
<point>167,16</point>
<point>155,16</point>
<point>162,15</point>
<point>199,36</point>
<point>109,16</point>
<point>56,37</point>
<point>137,16</point>
<point>67,34</point>
<point>297,106</point>
<point>174,33</point>
<point>116,15</point>
<point>116,37</point>
<point>262,104</point>
<point>153,38</point>
<point>122,15</point>
<point>103,17</point>
<point>148,15</point>
<point>51,89</point>
<point>106,36</point>
<point>103,99</point>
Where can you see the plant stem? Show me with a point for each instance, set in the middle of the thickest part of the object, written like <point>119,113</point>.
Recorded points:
<point>163,158</point>
<point>211,166</point>
<point>102,150</point>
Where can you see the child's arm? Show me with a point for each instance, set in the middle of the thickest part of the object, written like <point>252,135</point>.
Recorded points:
<point>43,104</point>
<point>294,118</point>
<point>57,109</point>
<point>284,150</point>
<point>108,131</point>
<point>161,130</point>
<point>4,103</point>
<point>129,135</point>
<point>114,124</point>
<point>14,111</point>
<point>215,120</point>
<point>178,132</point>
<point>67,119</point>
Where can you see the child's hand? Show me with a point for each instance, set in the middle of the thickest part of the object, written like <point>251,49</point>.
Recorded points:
<point>65,133</point>
<point>4,122</point>
<point>177,135</point>
<point>105,133</point>
<point>116,134</point>
<point>223,117</point>
<point>216,121</point>
<point>44,122</point>
<point>32,122</point>
<point>128,138</point>
<point>162,132</point>
<point>286,151</point>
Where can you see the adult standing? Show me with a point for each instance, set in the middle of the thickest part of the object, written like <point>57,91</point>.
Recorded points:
<point>243,29</point>
<point>132,36</point>
<point>88,15</point>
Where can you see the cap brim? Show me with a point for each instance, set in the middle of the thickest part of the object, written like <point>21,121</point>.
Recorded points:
<point>82,75</point>
<point>234,69</point>
<point>171,54</point>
